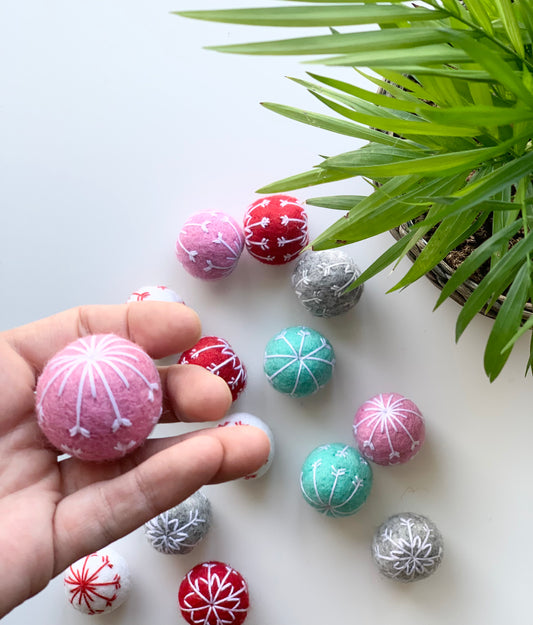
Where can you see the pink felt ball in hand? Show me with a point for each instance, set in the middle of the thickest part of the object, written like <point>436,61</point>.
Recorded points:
<point>275,229</point>
<point>389,429</point>
<point>99,397</point>
<point>209,245</point>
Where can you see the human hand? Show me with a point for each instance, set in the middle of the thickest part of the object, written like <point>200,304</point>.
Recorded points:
<point>52,511</point>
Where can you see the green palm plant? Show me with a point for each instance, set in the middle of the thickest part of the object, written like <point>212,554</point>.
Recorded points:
<point>448,126</point>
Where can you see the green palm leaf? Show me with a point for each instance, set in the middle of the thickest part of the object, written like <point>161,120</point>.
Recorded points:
<point>508,319</point>
<point>335,15</point>
<point>449,137</point>
<point>373,41</point>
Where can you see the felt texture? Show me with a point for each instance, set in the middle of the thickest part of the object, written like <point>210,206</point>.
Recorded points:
<point>97,583</point>
<point>157,293</point>
<point>213,593</point>
<point>320,280</point>
<point>335,479</point>
<point>299,361</point>
<point>275,229</point>
<point>407,547</point>
<point>216,355</point>
<point>180,529</point>
<point>98,398</point>
<point>389,429</point>
<point>209,245</point>
<point>245,418</point>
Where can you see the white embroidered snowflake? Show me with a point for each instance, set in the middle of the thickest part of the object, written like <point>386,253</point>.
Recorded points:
<point>169,534</point>
<point>386,415</point>
<point>301,358</point>
<point>412,556</point>
<point>101,360</point>
<point>221,600</point>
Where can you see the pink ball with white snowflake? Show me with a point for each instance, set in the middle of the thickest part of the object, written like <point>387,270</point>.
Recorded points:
<point>389,429</point>
<point>209,245</point>
<point>98,583</point>
<point>98,398</point>
<point>275,229</point>
<point>157,293</point>
<point>213,593</point>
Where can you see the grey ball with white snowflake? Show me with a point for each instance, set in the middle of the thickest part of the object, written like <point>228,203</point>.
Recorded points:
<point>180,529</point>
<point>407,547</point>
<point>320,280</point>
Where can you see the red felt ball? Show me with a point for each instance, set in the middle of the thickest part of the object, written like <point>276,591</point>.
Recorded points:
<point>275,229</point>
<point>216,355</point>
<point>213,593</point>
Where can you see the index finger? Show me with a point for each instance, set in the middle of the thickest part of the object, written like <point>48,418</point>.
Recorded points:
<point>160,328</point>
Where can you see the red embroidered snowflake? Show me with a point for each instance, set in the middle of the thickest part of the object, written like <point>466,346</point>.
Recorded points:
<point>213,593</point>
<point>93,584</point>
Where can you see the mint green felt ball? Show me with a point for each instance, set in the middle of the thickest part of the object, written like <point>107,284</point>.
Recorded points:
<point>336,479</point>
<point>299,361</point>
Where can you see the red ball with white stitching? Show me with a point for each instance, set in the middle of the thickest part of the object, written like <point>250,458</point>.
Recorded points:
<point>213,593</point>
<point>217,355</point>
<point>275,229</point>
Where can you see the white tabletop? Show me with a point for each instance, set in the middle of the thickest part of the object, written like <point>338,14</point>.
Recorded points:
<point>115,125</point>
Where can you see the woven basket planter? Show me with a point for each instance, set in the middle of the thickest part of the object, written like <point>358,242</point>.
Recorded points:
<point>442,272</point>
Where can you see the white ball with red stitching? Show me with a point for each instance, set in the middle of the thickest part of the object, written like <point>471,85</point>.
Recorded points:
<point>159,293</point>
<point>97,583</point>
<point>245,418</point>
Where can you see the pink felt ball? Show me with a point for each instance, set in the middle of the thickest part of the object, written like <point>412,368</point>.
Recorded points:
<point>389,429</point>
<point>99,397</point>
<point>275,229</point>
<point>209,245</point>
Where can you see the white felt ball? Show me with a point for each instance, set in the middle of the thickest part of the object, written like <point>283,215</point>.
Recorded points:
<point>245,418</point>
<point>157,293</point>
<point>97,583</point>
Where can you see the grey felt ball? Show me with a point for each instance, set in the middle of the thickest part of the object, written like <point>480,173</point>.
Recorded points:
<point>181,528</point>
<point>320,280</point>
<point>407,547</point>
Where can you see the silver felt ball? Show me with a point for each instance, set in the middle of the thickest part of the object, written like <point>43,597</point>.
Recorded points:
<point>181,528</point>
<point>320,280</point>
<point>407,547</point>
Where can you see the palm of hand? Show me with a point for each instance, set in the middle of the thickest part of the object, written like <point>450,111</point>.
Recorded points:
<point>54,512</point>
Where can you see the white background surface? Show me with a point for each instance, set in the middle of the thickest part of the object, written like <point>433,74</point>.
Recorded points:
<point>115,125</point>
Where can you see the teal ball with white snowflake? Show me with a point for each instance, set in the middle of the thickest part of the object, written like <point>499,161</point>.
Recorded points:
<point>299,361</point>
<point>336,479</point>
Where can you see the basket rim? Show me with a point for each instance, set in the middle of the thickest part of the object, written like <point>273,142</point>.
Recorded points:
<point>442,272</point>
